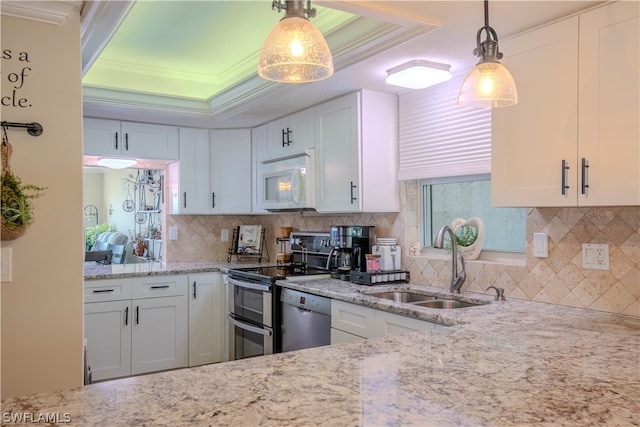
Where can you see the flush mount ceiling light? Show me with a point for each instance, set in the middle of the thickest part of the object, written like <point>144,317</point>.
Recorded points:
<point>116,163</point>
<point>489,84</point>
<point>418,74</point>
<point>295,51</point>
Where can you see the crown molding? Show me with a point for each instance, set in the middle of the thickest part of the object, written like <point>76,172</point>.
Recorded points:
<point>48,12</point>
<point>98,23</point>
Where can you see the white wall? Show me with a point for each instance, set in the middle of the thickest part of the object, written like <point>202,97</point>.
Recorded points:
<point>92,184</point>
<point>42,307</point>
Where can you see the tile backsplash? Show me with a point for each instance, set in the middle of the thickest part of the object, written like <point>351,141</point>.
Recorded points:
<point>557,279</point>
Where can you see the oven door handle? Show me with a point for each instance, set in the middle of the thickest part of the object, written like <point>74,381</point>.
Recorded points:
<point>249,285</point>
<point>247,327</point>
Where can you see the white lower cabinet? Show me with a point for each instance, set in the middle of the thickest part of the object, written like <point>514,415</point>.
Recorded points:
<point>352,322</point>
<point>136,325</point>
<point>353,319</point>
<point>338,336</point>
<point>388,324</point>
<point>207,320</point>
<point>107,327</point>
<point>159,336</point>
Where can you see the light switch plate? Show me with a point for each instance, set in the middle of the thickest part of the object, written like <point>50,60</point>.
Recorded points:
<point>540,245</point>
<point>5,264</point>
<point>173,233</point>
<point>595,256</point>
<point>224,235</point>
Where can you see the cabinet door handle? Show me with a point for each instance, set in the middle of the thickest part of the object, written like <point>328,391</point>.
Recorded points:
<point>353,198</point>
<point>283,134</point>
<point>126,316</point>
<point>160,287</point>
<point>126,141</point>
<point>585,175</point>
<point>564,185</point>
<point>289,141</point>
<point>102,291</point>
<point>194,290</point>
<point>213,200</point>
<point>116,140</point>
<point>137,314</point>
<point>184,199</point>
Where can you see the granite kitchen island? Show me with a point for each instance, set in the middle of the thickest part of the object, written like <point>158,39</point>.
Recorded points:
<point>510,363</point>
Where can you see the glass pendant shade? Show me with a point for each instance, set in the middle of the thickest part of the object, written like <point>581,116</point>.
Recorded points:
<point>295,52</point>
<point>488,85</point>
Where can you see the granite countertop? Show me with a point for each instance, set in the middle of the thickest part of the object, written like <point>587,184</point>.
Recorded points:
<point>93,271</point>
<point>511,363</point>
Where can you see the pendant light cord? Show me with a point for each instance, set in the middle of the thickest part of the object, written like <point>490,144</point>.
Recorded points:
<point>486,13</point>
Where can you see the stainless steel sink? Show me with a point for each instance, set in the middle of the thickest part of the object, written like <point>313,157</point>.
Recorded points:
<point>403,296</point>
<point>446,304</point>
<point>423,300</point>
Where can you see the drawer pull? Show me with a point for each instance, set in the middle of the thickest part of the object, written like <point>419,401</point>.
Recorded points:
<point>194,290</point>
<point>126,316</point>
<point>102,291</point>
<point>160,287</point>
<point>137,315</point>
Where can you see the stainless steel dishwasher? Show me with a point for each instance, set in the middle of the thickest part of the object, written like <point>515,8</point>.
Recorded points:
<point>306,320</point>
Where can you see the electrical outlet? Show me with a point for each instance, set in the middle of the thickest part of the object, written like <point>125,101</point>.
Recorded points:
<point>224,235</point>
<point>595,256</point>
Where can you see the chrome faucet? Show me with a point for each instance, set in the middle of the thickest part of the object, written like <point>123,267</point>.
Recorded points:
<point>456,279</point>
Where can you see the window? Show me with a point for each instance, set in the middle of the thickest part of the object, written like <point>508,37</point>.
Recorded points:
<point>470,196</point>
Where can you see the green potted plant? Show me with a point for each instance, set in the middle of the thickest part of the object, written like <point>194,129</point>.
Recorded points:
<point>469,236</point>
<point>91,234</point>
<point>16,208</point>
<point>466,235</point>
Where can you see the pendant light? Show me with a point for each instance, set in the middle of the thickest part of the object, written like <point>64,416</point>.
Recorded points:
<point>489,84</point>
<point>295,51</point>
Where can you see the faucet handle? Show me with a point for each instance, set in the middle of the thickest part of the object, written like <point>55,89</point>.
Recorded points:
<point>499,293</point>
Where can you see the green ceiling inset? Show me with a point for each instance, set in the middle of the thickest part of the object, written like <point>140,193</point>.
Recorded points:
<point>191,49</point>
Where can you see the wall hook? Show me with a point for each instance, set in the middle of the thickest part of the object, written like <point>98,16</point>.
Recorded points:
<point>33,128</point>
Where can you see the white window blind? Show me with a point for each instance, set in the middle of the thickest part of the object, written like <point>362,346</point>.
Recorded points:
<point>438,138</point>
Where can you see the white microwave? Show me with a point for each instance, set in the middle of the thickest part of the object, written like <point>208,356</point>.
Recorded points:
<point>287,183</point>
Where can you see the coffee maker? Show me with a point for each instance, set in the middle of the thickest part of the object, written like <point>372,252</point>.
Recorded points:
<point>354,240</point>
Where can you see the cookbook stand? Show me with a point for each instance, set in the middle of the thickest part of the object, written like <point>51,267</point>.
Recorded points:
<point>242,252</point>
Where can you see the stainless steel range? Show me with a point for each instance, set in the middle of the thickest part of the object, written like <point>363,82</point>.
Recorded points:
<point>253,308</point>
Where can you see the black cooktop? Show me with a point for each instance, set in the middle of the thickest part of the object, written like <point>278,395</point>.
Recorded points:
<point>272,273</point>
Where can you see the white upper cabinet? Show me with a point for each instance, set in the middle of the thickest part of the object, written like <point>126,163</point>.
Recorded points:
<point>357,153</point>
<point>609,115</point>
<point>573,138</point>
<point>214,172</point>
<point>189,178</point>
<point>126,139</point>
<point>290,135</point>
<point>532,138</point>
<point>231,171</point>
<point>259,141</point>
